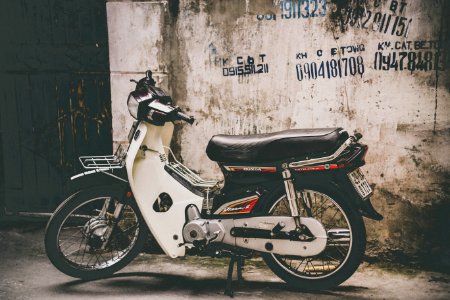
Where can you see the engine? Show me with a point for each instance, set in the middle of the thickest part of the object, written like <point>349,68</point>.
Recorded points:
<point>201,230</point>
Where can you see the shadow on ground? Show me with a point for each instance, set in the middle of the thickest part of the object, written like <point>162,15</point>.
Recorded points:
<point>145,282</point>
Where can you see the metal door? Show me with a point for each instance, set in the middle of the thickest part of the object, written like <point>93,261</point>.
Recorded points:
<point>54,97</point>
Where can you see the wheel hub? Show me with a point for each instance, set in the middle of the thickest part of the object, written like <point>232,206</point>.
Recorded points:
<point>94,231</point>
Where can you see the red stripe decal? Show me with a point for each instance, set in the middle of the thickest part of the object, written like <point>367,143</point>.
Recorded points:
<point>243,207</point>
<point>317,168</point>
<point>250,169</point>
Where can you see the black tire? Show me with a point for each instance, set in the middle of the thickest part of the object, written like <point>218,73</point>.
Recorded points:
<point>335,275</point>
<point>87,200</point>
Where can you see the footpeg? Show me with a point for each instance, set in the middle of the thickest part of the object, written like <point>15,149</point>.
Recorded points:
<point>277,229</point>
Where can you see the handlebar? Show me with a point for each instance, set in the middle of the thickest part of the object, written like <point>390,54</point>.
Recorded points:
<point>155,99</point>
<point>185,117</point>
<point>146,81</point>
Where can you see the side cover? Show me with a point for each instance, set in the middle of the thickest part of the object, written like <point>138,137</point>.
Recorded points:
<point>150,182</point>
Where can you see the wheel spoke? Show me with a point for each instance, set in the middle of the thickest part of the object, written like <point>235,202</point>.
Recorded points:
<point>129,228</point>
<point>84,252</point>
<point>72,227</point>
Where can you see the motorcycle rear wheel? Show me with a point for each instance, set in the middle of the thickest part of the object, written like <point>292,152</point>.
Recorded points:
<point>84,240</point>
<point>345,246</point>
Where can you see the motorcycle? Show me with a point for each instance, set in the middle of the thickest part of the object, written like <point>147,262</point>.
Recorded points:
<point>294,197</point>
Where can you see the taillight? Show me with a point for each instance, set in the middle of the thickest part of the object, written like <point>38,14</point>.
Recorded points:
<point>354,157</point>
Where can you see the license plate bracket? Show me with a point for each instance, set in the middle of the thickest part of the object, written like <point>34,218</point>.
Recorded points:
<point>360,183</point>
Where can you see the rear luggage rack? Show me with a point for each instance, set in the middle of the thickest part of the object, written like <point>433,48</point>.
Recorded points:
<point>184,172</point>
<point>323,159</point>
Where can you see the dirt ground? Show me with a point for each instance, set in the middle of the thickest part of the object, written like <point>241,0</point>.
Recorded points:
<point>26,273</point>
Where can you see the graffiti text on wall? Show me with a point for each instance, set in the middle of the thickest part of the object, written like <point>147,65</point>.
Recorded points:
<point>359,16</point>
<point>334,67</point>
<point>410,56</point>
<point>298,9</point>
<point>247,66</point>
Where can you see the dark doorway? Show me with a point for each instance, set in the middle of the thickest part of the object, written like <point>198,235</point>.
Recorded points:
<point>55,102</point>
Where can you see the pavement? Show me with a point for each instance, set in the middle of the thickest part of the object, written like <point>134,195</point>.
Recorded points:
<point>26,273</point>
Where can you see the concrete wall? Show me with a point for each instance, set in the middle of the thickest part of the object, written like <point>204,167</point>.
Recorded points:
<point>373,65</point>
<point>137,35</point>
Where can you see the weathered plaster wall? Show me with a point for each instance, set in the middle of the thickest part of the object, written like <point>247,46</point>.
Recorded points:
<point>137,35</point>
<point>383,72</point>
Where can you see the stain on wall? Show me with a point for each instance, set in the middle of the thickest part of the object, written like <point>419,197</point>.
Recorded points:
<point>377,66</point>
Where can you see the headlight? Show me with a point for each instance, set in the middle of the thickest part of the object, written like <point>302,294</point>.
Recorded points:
<point>138,101</point>
<point>133,106</point>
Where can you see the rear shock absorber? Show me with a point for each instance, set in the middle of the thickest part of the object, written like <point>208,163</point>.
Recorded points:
<point>292,197</point>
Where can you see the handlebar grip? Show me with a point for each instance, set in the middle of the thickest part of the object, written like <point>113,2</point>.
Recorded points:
<point>185,117</point>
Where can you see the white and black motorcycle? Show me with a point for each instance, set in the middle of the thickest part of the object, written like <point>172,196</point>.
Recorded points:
<point>295,197</point>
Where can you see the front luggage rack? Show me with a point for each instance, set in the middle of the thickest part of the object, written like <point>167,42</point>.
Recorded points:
<point>115,161</point>
<point>101,162</point>
<point>184,172</point>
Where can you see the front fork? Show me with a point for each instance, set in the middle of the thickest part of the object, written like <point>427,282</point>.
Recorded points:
<point>115,217</point>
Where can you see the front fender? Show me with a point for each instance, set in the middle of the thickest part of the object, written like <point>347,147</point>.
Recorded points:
<point>95,179</point>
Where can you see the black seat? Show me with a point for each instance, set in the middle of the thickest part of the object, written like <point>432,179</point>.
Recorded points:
<point>259,148</point>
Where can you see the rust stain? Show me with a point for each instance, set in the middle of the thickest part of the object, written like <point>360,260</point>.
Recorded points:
<point>80,94</point>
<point>78,117</point>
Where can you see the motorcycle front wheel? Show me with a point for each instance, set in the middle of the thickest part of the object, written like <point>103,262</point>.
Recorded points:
<point>345,244</point>
<point>92,234</point>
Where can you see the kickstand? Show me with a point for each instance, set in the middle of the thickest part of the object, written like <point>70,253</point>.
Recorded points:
<point>239,266</point>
